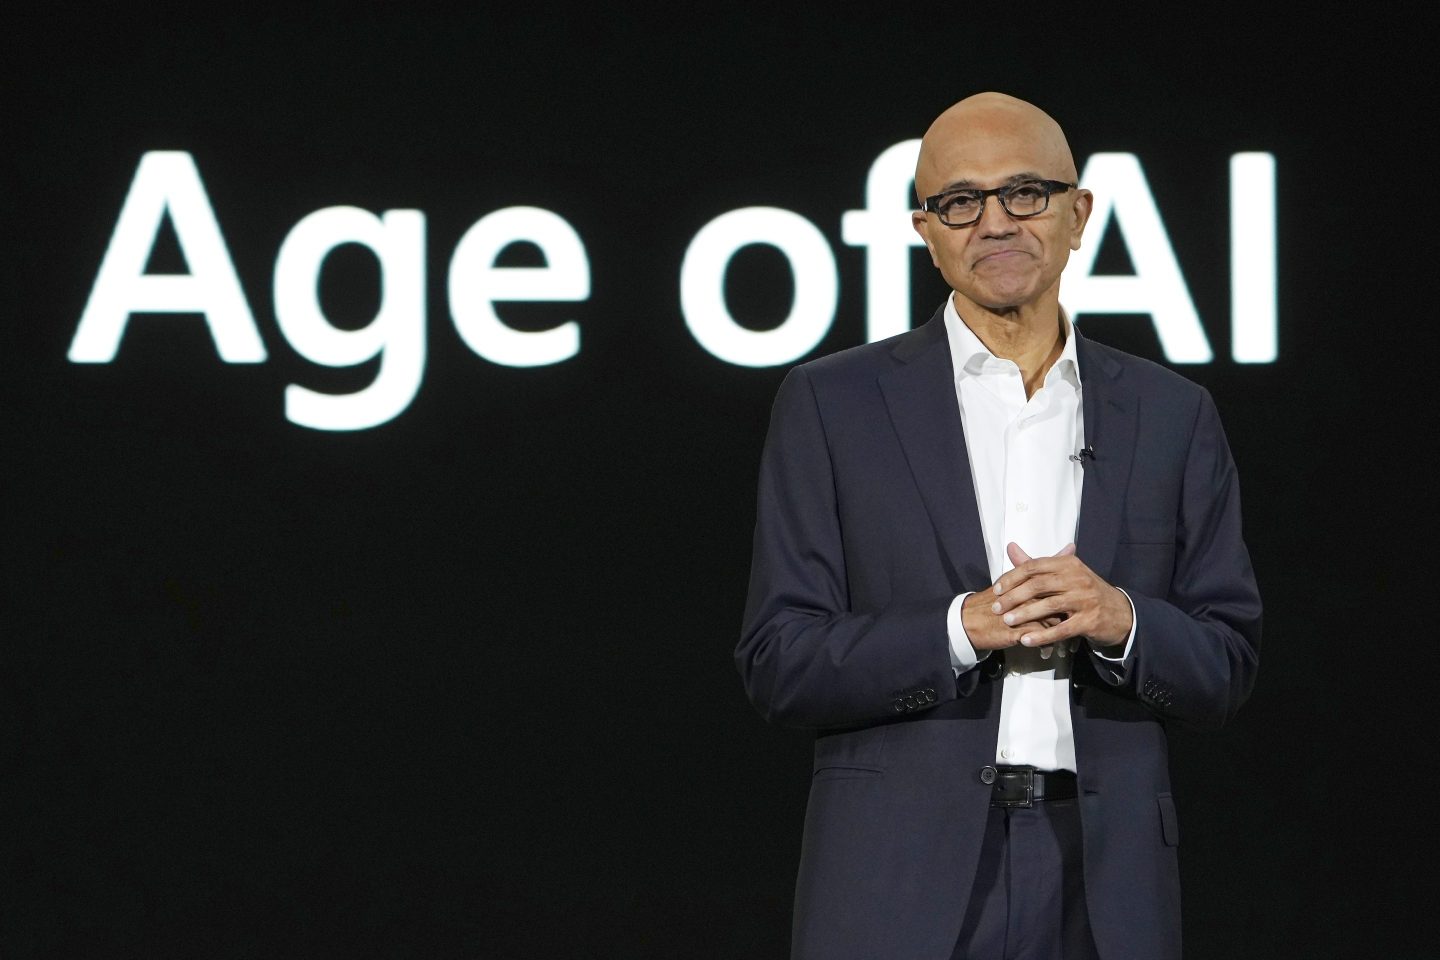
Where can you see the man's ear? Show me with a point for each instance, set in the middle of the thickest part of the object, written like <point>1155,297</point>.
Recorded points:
<point>921,223</point>
<point>1084,203</point>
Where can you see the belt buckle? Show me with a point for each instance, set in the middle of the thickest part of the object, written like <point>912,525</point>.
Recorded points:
<point>1025,776</point>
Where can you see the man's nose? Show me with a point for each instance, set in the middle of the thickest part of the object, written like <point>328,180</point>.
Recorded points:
<point>994,221</point>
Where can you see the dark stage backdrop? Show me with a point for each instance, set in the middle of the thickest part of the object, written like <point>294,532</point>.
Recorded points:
<point>442,668</point>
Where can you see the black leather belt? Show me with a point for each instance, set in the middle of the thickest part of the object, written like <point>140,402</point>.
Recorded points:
<point>1022,786</point>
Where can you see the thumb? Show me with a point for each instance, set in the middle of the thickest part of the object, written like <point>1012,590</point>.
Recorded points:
<point>1016,555</point>
<point>1066,551</point>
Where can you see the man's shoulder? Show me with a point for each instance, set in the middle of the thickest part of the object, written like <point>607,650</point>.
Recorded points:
<point>861,363</point>
<point>1140,375</point>
<point>859,366</point>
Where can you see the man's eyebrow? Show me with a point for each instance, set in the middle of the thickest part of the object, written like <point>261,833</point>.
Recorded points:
<point>954,185</point>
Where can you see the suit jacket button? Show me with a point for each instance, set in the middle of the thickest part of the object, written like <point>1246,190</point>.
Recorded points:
<point>987,775</point>
<point>929,695</point>
<point>899,707</point>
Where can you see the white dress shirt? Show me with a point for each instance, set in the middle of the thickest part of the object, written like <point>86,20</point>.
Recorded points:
<point>1028,492</point>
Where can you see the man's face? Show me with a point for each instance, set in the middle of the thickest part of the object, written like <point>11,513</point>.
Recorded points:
<point>999,262</point>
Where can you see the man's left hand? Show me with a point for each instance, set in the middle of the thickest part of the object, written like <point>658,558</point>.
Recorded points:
<point>1061,586</point>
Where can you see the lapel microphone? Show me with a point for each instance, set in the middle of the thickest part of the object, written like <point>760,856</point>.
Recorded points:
<point>1086,453</point>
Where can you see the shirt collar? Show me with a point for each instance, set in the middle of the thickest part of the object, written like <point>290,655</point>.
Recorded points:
<point>968,354</point>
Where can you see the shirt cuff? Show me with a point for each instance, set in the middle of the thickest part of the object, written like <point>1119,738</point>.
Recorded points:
<point>962,654</point>
<point>1129,641</point>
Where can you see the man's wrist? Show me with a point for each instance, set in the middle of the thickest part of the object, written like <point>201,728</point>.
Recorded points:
<point>1118,651</point>
<point>963,655</point>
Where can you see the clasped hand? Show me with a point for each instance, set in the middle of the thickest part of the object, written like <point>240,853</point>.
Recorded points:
<point>1043,601</point>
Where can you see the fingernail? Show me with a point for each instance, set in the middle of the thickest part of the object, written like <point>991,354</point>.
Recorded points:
<point>1026,640</point>
<point>998,590</point>
<point>1009,618</point>
<point>1045,652</point>
<point>994,608</point>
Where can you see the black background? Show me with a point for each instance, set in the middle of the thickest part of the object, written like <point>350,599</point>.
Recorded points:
<point>461,685</point>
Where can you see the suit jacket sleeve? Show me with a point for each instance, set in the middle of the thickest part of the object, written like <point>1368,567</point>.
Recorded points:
<point>808,659</point>
<point>1196,651</point>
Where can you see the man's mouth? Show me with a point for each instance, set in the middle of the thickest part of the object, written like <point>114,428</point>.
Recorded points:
<point>1001,256</point>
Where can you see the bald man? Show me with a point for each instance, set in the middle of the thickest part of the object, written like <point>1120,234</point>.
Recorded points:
<point>993,561</point>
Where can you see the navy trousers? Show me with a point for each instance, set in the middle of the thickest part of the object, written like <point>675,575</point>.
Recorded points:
<point>1029,895</point>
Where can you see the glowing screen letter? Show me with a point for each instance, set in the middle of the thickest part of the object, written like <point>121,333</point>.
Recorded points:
<point>476,284</point>
<point>396,335</point>
<point>702,286</point>
<point>1157,288</point>
<point>883,229</point>
<point>1252,258</point>
<point>166,181</point>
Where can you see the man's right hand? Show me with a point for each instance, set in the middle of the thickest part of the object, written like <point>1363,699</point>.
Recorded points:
<point>985,630</point>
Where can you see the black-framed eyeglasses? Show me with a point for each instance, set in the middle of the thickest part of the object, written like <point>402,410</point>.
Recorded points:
<point>960,208</point>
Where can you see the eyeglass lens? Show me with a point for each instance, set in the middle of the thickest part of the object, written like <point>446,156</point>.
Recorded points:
<point>1021,200</point>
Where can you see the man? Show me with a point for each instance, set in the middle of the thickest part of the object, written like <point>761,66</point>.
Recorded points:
<point>993,560</point>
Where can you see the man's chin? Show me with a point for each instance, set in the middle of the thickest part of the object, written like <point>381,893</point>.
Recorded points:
<point>1006,294</point>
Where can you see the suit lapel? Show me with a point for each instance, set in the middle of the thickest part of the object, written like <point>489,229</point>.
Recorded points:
<point>1111,412</point>
<point>920,395</point>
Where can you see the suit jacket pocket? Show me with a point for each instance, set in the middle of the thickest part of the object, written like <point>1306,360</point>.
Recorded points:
<point>1145,556</point>
<point>850,755</point>
<point>846,773</point>
<point>1169,823</point>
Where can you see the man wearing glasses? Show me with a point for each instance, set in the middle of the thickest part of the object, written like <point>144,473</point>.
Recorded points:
<point>993,559</point>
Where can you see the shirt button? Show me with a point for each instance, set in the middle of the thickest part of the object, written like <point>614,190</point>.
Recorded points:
<point>1021,506</point>
<point>1005,753</point>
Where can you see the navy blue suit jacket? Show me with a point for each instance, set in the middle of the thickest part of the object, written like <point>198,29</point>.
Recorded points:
<point>867,529</point>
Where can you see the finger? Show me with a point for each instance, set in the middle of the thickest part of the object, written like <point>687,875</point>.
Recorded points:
<point>1040,585</point>
<point>1049,635</point>
<point>1050,605</point>
<point>1010,579</point>
<point>1033,627</point>
<point>1061,650</point>
<point>1017,554</point>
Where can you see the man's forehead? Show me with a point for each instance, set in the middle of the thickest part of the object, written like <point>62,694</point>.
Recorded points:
<point>981,183</point>
<point>992,138</point>
<point>990,154</point>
